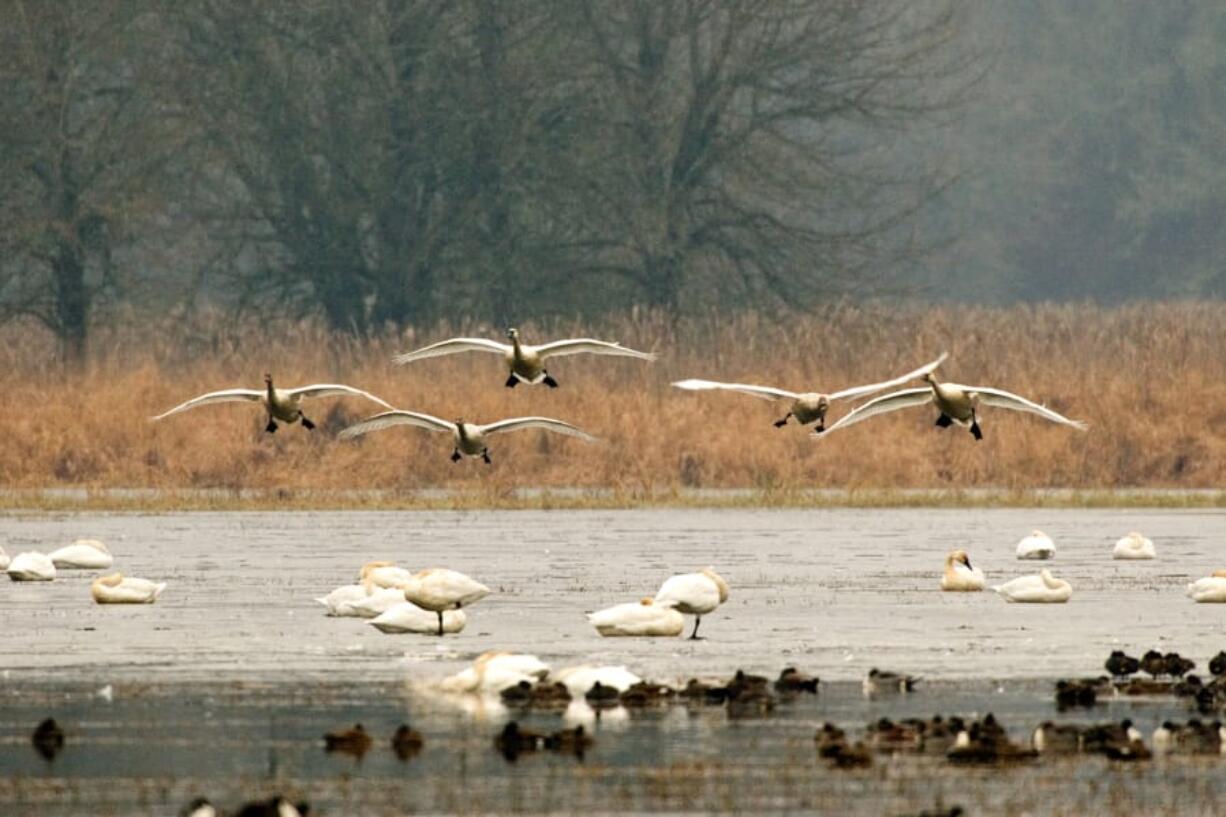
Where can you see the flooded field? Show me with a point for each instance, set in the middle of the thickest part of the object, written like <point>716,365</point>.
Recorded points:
<point>224,687</point>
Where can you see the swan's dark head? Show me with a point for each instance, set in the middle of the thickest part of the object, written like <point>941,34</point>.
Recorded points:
<point>513,333</point>
<point>267,379</point>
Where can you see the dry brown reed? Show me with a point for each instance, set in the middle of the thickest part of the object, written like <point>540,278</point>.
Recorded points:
<point>1149,378</point>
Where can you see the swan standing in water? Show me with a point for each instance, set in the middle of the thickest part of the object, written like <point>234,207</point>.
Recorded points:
<point>1038,545</point>
<point>956,404</point>
<point>406,617</point>
<point>83,554</point>
<point>643,618</point>
<point>280,404</point>
<point>31,566</point>
<point>116,589</point>
<point>959,575</point>
<point>438,589</point>
<point>694,594</point>
<point>469,438</point>
<point>525,364</point>
<point>1133,546</point>
<point>1041,589</point>
<point>807,407</point>
<point>1209,590</point>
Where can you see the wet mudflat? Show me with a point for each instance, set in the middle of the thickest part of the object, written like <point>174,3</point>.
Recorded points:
<point>225,686</point>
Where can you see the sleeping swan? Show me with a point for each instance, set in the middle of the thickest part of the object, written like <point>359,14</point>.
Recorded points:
<point>959,575</point>
<point>83,554</point>
<point>644,618</point>
<point>1040,589</point>
<point>1038,545</point>
<point>1133,546</point>
<point>1209,590</point>
<point>115,589</point>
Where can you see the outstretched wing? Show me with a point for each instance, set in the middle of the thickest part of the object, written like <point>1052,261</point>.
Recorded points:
<point>860,391</point>
<point>881,405</point>
<point>546,423</point>
<point>451,347</point>
<point>762,392</point>
<point>1006,400</point>
<point>577,346</point>
<point>334,390</point>
<point>223,396</point>
<point>396,417</point>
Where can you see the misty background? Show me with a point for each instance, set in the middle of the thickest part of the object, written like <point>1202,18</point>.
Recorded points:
<point>380,165</point>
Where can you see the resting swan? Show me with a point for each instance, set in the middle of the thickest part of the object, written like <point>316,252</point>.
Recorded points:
<point>1040,589</point>
<point>469,438</point>
<point>406,617</point>
<point>494,671</point>
<point>808,407</point>
<point>438,589</point>
<point>31,566</point>
<point>115,589</point>
<point>1133,546</point>
<point>525,363</point>
<point>1209,590</point>
<point>643,618</point>
<point>1038,545</point>
<point>956,404</point>
<point>959,575</point>
<point>83,554</point>
<point>280,404</point>
<point>384,574</point>
<point>695,594</point>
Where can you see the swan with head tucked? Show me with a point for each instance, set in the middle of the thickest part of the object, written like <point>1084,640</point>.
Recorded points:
<point>406,617</point>
<point>808,407</point>
<point>280,404</point>
<point>494,671</point>
<point>438,589</point>
<point>694,594</point>
<point>959,575</point>
<point>469,438</point>
<point>956,404</point>
<point>580,679</point>
<point>1133,546</point>
<point>384,574</point>
<point>31,566</point>
<point>525,364</point>
<point>83,554</point>
<point>376,603</point>
<point>1038,545</point>
<point>117,589</point>
<point>1041,589</point>
<point>643,618</point>
<point>339,601</point>
<point>1209,590</point>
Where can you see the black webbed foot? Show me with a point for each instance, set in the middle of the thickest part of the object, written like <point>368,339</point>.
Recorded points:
<point>783,422</point>
<point>271,428</point>
<point>512,382</point>
<point>975,432</point>
<point>455,455</point>
<point>307,424</point>
<point>944,421</point>
<point>549,381</point>
<point>485,457</point>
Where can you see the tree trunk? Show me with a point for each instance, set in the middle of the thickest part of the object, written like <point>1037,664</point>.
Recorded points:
<point>71,303</point>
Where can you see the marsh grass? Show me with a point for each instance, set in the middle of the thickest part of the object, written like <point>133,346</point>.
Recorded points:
<point>1149,378</point>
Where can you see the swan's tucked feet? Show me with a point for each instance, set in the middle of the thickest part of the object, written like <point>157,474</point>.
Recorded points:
<point>455,455</point>
<point>549,381</point>
<point>944,421</point>
<point>485,456</point>
<point>271,428</point>
<point>307,424</point>
<point>783,422</point>
<point>975,432</point>
<point>512,382</point>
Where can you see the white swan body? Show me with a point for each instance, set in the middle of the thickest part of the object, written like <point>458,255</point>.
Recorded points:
<point>1040,589</point>
<point>380,600</point>
<point>116,589</point>
<point>31,566</point>
<point>644,618</point>
<point>438,588</point>
<point>83,554</point>
<point>1038,545</point>
<point>959,576</point>
<point>695,594</point>
<point>580,679</point>
<point>4,560</point>
<point>384,574</point>
<point>1133,546</point>
<point>496,670</point>
<point>1209,590</point>
<point>406,617</point>
<point>339,601</point>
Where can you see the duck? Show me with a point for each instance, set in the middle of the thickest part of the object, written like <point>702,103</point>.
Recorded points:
<point>573,741</point>
<point>513,741</point>
<point>525,364</point>
<point>879,682</point>
<point>407,742</point>
<point>1051,739</point>
<point>792,680</point>
<point>280,404</point>
<point>1176,665</point>
<point>694,594</point>
<point>439,589</point>
<point>118,589</point>
<point>1071,692</point>
<point>354,742</point>
<point>1041,589</point>
<point>275,806</point>
<point>807,407</point>
<point>828,738</point>
<point>1209,590</point>
<point>959,576</point>
<point>886,735</point>
<point>4,559</point>
<point>1101,737</point>
<point>1133,546</point>
<point>83,554</point>
<point>646,694</point>
<point>469,438</point>
<point>384,574</point>
<point>1153,663</point>
<point>850,755</point>
<point>955,404</point>
<point>645,618</point>
<point>1192,738</point>
<point>580,679</point>
<point>543,695</point>
<point>31,566</point>
<point>48,739</point>
<point>1121,665</point>
<point>1217,664</point>
<point>495,670</point>
<point>700,692</point>
<point>407,617</point>
<point>1038,545</point>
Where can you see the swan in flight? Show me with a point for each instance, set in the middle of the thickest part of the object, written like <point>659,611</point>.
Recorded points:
<point>83,554</point>
<point>695,594</point>
<point>1134,546</point>
<point>281,404</point>
<point>959,575</point>
<point>116,589</point>
<point>438,589</point>
<point>525,363</point>
<point>642,618</point>
<point>809,407</point>
<point>469,438</point>
<point>956,404</point>
<point>1038,545</point>
<point>1040,589</point>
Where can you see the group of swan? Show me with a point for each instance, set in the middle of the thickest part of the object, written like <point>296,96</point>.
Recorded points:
<point>693,594</point>
<point>399,601</point>
<point>83,554</point>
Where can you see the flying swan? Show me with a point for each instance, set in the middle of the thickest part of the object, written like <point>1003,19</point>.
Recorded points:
<point>469,437</point>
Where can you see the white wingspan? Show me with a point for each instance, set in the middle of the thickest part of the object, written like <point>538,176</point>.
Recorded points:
<point>223,396</point>
<point>761,392</point>
<point>882,405</point>
<point>1006,400</point>
<point>547,423</point>
<point>860,391</point>
<point>451,347</point>
<point>334,390</point>
<point>397,417</point>
<point>575,346</point>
